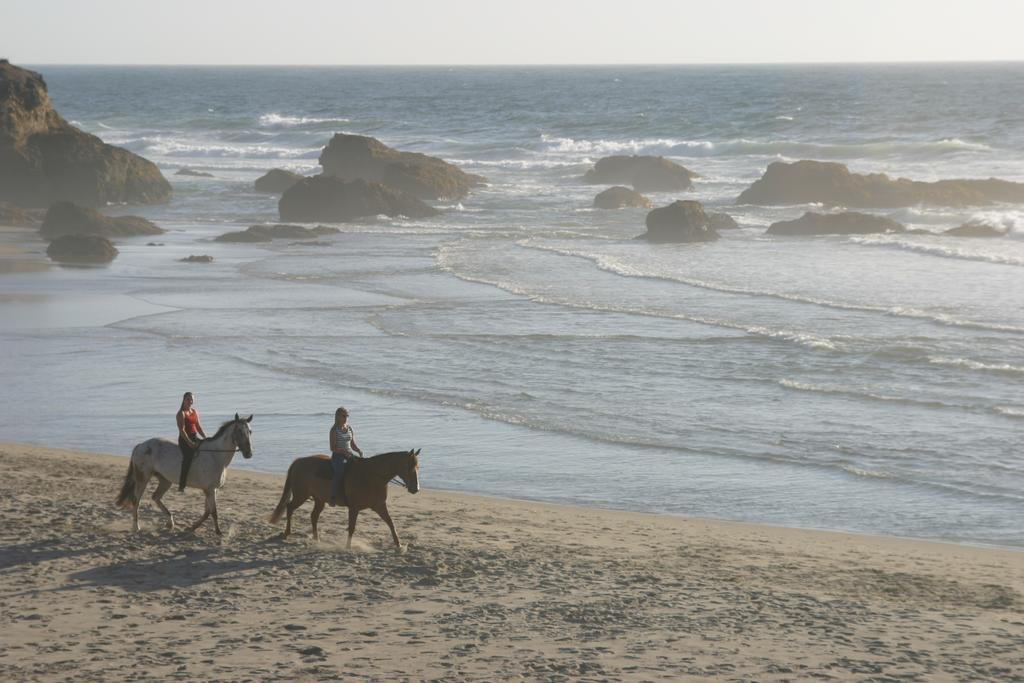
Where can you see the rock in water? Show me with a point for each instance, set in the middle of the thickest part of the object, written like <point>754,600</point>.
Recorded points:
<point>331,199</point>
<point>846,223</point>
<point>976,229</point>
<point>357,157</point>
<point>680,221</point>
<point>44,159</point>
<point>832,184</point>
<point>81,249</point>
<point>65,218</point>
<point>194,174</point>
<point>722,221</point>
<point>644,173</point>
<point>18,217</point>
<point>619,197</point>
<point>276,181</point>
<point>268,233</point>
<point>197,258</point>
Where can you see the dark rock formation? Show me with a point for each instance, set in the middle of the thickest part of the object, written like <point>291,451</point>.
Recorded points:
<point>619,197</point>
<point>18,217</point>
<point>65,218</point>
<point>352,157</point>
<point>44,159</point>
<point>276,181</point>
<point>846,223</point>
<point>644,173</point>
<point>194,174</point>
<point>976,229</point>
<point>832,184</point>
<point>680,221</point>
<point>327,198</point>
<point>267,233</point>
<point>81,249</point>
<point>722,221</point>
<point>193,258</point>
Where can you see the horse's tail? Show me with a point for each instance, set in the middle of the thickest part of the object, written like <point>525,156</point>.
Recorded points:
<point>126,499</point>
<point>285,496</point>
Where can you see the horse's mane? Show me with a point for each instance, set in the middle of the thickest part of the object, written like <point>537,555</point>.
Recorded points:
<point>223,428</point>
<point>386,455</point>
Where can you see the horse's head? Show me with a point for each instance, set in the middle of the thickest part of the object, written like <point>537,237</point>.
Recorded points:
<point>410,475</point>
<point>243,435</point>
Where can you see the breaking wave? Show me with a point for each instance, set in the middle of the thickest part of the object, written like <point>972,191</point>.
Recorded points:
<point>939,250</point>
<point>275,120</point>
<point>777,148</point>
<point>178,147</point>
<point>613,265</point>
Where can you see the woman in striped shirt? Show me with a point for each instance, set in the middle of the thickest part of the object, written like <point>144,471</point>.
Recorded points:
<point>343,447</point>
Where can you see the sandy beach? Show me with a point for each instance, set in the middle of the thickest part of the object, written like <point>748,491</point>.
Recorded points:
<point>486,589</point>
<point>21,250</point>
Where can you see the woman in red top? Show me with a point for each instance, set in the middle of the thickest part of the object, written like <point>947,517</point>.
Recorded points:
<point>189,431</point>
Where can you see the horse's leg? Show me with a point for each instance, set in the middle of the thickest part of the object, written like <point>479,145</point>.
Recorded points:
<point>141,481</point>
<point>206,514</point>
<point>293,505</point>
<point>211,499</point>
<point>383,512</point>
<point>352,514</point>
<point>318,507</point>
<point>163,484</point>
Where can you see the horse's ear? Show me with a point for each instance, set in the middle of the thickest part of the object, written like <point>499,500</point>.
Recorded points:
<point>249,419</point>
<point>236,417</point>
<point>417,451</point>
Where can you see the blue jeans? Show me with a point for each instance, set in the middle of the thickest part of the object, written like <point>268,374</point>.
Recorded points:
<point>338,461</point>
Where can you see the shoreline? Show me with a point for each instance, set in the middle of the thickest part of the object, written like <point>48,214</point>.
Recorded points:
<point>22,251</point>
<point>485,588</point>
<point>278,477</point>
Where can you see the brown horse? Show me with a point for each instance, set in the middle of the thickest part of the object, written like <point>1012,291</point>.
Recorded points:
<point>366,486</point>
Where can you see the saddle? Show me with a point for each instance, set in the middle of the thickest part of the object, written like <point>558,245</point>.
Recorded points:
<point>325,470</point>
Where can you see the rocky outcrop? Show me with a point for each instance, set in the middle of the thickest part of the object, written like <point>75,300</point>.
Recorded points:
<point>200,258</point>
<point>976,229</point>
<point>65,218</point>
<point>680,221</point>
<point>81,249</point>
<point>620,197</point>
<point>846,223</point>
<point>832,184</point>
<point>18,217</point>
<point>357,157</point>
<point>276,181</point>
<point>722,221</point>
<point>194,174</point>
<point>268,233</point>
<point>44,159</point>
<point>327,198</point>
<point>644,173</point>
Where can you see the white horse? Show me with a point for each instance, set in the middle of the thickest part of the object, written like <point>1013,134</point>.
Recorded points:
<point>208,471</point>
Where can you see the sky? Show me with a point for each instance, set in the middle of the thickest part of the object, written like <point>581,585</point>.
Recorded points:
<point>508,32</point>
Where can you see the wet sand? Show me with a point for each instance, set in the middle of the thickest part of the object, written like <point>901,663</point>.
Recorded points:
<point>486,589</point>
<point>22,250</point>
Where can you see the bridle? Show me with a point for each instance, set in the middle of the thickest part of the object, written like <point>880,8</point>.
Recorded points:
<point>237,447</point>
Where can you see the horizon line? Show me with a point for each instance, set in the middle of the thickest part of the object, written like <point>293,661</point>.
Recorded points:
<point>534,64</point>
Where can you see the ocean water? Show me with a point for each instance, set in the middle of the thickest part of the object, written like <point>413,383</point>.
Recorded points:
<point>526,342</point>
